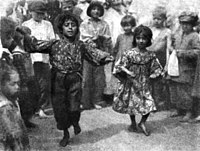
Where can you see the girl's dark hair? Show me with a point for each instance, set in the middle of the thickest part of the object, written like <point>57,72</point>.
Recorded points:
<point>95,4</point>
<point>146,31</point>
<point>60,19</point>
<point>128,19</point>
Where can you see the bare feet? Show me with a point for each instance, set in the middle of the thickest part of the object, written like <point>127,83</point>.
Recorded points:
<point>144,129</point>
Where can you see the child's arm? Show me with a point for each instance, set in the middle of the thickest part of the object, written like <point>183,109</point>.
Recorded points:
<point>31,44</point>
<point>127,71</point>
<point>96,56</point>
<point>156,69</point>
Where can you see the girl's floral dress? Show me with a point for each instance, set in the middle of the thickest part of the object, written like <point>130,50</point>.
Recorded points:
<point>133,95</point>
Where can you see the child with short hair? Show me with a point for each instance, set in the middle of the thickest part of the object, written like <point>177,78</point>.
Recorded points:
<point>124,41</point>
<point>12,129</point>
<point>66,58</point>
<point>134,70</point>
<point>96,32</point>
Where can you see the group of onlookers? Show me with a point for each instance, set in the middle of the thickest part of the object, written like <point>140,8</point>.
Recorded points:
<point>74,56</point>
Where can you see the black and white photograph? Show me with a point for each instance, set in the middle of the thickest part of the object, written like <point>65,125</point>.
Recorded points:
<point>100,75</point>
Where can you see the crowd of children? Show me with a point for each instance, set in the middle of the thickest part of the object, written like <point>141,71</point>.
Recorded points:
<point>80,53</point>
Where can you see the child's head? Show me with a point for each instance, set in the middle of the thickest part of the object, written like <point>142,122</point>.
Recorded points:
<point>127,23</point>
<point>68,25</point>
<point>7,31</point>
<point>188,20</point>
<point>38,10</point>
<point>68,5</point>
<point>9,81</point>
<point>95,10</point>
<point>142,36</point>
<point>159,16</point>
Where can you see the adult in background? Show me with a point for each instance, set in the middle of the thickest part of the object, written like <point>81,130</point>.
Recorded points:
<point>43,30</point>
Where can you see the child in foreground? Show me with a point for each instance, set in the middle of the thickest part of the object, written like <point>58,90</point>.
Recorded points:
<point>66,58</point>
<point>134,70</point>
<point>13,132</point>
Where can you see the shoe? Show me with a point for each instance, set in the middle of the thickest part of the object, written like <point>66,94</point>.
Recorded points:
<point>77,129</point>
<point>174,114</point>
<point>96,106</point>
<point>186,118</point>
<point>42,114</point>
<point>143,128</point>
<point>195,120</point>
<point>29,124</point>
<point>132,128</point>
<point>65,140</point>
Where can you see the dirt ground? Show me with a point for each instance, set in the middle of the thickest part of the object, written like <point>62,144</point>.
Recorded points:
<point>106,130</point>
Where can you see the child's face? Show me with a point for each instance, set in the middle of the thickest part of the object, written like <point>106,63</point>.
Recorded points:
<point>186,27</point>
<point>141,41</point>
<point>127,28</point>
<point>67,7</point>
<point>70,28</point>
<point>95,12</point>
<point>11,87</point>
<point>38,16</point>
<point>158,21</point>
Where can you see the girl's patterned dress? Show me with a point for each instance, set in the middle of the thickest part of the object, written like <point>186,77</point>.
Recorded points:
<point>133,95</point>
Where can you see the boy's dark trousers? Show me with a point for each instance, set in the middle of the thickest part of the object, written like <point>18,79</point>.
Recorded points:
<point>66,94</point>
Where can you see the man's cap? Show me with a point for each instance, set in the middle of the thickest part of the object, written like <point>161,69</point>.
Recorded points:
<point>38,6</point>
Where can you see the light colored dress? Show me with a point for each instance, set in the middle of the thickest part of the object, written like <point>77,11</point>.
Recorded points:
<point>133,95</point>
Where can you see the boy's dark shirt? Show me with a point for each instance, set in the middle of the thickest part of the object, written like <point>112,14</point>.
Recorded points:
<point>64,56</point>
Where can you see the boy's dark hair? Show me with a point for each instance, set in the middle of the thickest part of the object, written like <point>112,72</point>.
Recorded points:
<point>60,19</point>
<point>146,31</point>
<point>128,19</point>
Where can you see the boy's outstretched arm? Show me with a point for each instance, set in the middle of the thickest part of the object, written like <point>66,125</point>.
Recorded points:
<point>31,44</point>
<point>96,56</point>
